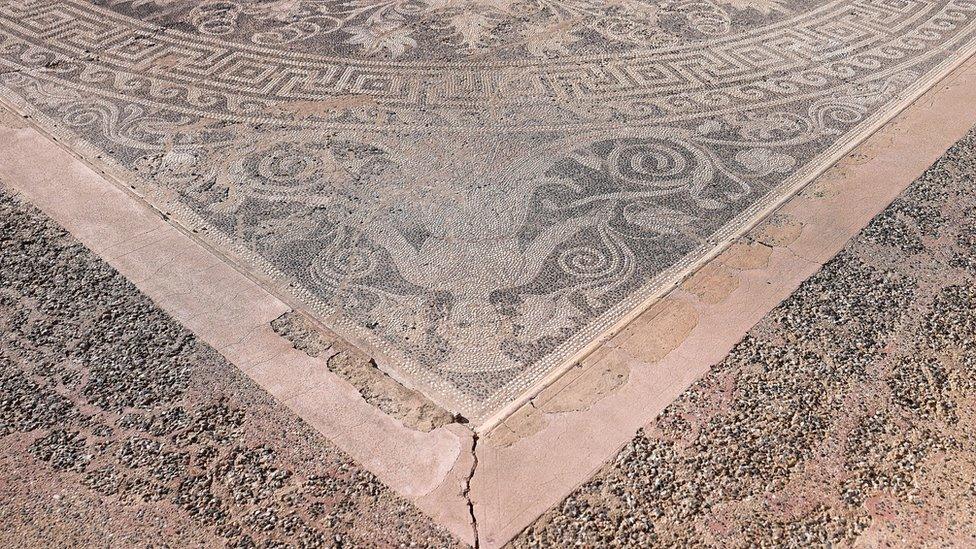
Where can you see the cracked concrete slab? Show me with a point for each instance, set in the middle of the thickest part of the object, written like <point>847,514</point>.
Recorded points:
<point>119,428</point>
<point>233,314</point>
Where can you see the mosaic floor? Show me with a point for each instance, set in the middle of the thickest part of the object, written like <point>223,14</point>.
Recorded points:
<point>472,192</point>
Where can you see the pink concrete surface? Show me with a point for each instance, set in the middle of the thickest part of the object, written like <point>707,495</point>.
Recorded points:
<point>232,313</point>
<point>513,482</point>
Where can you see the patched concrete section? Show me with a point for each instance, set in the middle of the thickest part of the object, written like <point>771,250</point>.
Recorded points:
<point>719,278</point>
<point>782,230</point>
<point>524,422</point>
<point>574,391</point>
<point>650,337</point>
<point>746,256</point>
<point>376,387</point>
<point>658,331</point>
<point>577,392</point>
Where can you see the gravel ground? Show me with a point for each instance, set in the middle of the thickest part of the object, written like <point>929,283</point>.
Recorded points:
<point>845,417</point>
<point>117,428</point>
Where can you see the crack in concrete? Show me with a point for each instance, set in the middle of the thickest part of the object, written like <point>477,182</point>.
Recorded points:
<point>466,493</point>
<point>754,240</point>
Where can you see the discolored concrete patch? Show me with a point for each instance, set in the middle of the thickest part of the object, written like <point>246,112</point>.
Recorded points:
<point>782,230</point>
<point>376,387</point>
<point>715,281</point>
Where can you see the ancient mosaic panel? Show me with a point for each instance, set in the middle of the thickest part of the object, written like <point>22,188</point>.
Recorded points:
<point>473,191</point>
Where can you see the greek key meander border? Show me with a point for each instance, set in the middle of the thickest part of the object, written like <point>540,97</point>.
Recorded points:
<point>542,373</point>
<point>479,127</point>
<point>596,96</point>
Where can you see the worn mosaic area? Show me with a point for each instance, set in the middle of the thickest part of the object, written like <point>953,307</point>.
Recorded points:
<point>474,191</point>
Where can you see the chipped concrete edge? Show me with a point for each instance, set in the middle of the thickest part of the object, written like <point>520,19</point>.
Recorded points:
<point>411,407</point>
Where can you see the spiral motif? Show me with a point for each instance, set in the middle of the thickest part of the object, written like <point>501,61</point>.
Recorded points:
<point>80,117</point>
<point>707,18</point>
<point>343,261</point>
<point>655,162</point>
<point>287,164</point>
<point>587,262</point>
<point>840,112</point>
<point>285,171</point>
<point>216,18</point>
<point>628,30</point>
<point>300,30</point>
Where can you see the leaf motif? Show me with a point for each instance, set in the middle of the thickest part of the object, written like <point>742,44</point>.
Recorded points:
<point>380,35</point>
<point>471,26</point>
